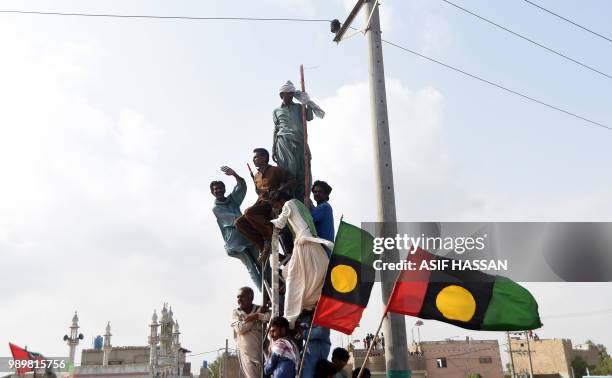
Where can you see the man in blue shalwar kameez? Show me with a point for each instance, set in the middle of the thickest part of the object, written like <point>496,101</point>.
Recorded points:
<point>226,210</point>
<point>323,214</point>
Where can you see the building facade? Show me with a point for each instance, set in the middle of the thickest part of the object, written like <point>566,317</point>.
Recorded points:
<point>460,358</point>
<point>440,359</point>
<point>551,357</point>
<point>163,357</point>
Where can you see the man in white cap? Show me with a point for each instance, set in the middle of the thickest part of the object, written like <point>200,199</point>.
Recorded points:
<point>288,147</point>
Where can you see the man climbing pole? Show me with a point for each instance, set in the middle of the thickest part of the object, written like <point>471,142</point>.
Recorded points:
<point>255,224</point>
<point>226,211</point>
<point>289,149</point>
<point>305,273</point>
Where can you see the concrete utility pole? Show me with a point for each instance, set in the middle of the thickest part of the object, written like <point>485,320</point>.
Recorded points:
<point>396,353</point>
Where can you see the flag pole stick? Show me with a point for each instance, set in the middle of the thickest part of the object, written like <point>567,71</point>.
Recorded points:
<point>305,351</point>
<point>365,359</point>
<point>306,161</point>
<point>251,172</point>
<point>252,177</point>
<point>299,375</point>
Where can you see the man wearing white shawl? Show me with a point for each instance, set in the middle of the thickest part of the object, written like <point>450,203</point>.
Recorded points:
<point>305,273</point>
<point>288,144</point>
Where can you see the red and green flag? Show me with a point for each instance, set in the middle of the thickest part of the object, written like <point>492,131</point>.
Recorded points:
<point>21,354</point>
<point>465,298</point>
<point>349,280</point>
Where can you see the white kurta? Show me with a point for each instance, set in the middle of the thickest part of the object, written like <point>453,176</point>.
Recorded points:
<point>248,338</point>
<point>305,273</point>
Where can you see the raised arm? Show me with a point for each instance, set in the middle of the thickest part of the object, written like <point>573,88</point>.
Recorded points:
<point>240,189</point>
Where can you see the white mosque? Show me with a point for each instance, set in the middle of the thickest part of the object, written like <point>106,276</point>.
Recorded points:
<point>163,356</point>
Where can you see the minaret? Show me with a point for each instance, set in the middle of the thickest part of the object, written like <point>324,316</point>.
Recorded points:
<point>107,345</point>
<point>170,347</point>
<point>153,340</point>
<point>176,346</point>
<point>165,335</point>
<point>73,339</point>
<point>175,336</point>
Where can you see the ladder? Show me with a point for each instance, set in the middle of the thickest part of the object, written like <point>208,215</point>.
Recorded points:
<point>272,290</point>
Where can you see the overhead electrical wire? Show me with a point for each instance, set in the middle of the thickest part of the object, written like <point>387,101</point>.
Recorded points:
<point>111,15</point>
<point>498,85</point>
<point>579,314</point>
<point>210,351</point>
<point>529,40</point>
<point>473,76</point>
<point>568,20</point>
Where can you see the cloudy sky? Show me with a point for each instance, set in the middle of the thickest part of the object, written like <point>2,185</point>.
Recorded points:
<point>111,130</point>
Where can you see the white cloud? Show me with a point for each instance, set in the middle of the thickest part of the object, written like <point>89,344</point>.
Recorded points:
<point>426,27</point>
<point>90,220</point>
<point>138,139</point>
<point>343,151</point>
<point>590,206</point>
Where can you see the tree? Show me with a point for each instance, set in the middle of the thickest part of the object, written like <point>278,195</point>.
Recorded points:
<point>604,366</point>
<point>215,367</point>
<point>601,349</point>
<point>474,375</point>
<point>580,367</point>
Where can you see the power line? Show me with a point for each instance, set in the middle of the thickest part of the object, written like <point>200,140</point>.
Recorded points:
<point>311,20</point>
<point>210,351</point>
<point>189,18</point>
<point>568,20</point>
<point>529,40</point>
<point>498,85</point>
<point>579,314</point>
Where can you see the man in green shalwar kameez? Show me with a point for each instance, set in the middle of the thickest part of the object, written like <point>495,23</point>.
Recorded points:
<point>226,211</point>
<point>288,145</point>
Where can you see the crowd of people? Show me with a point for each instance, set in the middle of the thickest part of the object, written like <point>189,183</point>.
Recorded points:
<point>275,346</point>
<point>374,341</point>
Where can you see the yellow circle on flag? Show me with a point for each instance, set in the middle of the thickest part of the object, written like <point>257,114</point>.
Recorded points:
<point>456,303</point>
<point>343,278</point>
